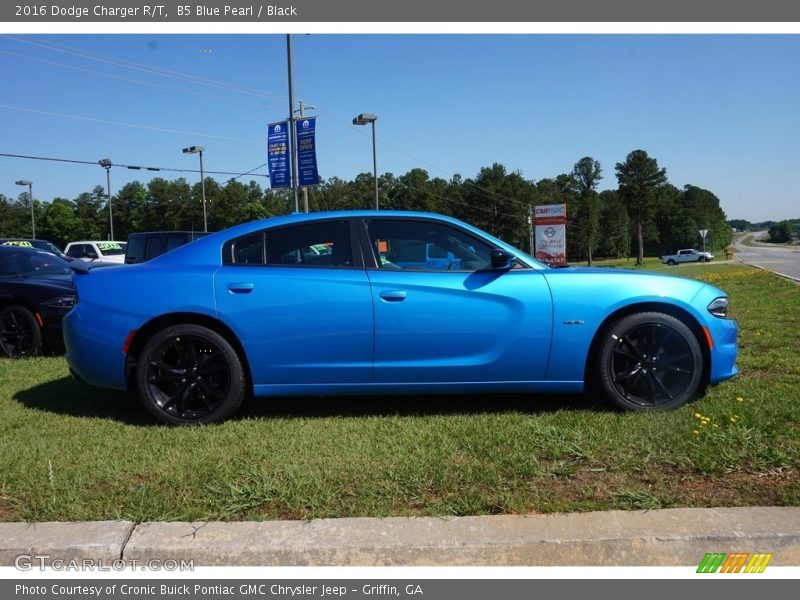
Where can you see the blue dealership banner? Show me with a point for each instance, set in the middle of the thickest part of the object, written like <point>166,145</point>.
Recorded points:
<point>278,155</point>
<point>307,152</point>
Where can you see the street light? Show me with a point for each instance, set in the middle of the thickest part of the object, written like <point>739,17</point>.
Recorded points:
<point>363,119</point>
<point>199,150</point>
<point>106,164</point>
<point>30,197</point>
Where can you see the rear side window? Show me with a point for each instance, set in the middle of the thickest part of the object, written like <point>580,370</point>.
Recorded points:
<point>135,250</point>
<point>325,244</point>
<point>156,246</point>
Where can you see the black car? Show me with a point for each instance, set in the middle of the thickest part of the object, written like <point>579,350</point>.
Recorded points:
<point>36,291</point>
<point>38,244</point>
<point>142,246</point>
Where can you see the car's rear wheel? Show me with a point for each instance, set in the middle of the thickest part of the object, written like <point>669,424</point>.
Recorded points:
<point>671,262</point>
<point>20,335</point>
<point>650,361</point>
<point>189,374</point>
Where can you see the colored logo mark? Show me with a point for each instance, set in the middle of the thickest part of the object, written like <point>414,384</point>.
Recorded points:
<point>719,562</point>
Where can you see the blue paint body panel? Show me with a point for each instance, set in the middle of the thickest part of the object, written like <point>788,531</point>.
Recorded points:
<point>359,329</point>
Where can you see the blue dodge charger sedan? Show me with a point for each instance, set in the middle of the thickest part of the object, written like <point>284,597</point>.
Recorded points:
<point>326,304</point>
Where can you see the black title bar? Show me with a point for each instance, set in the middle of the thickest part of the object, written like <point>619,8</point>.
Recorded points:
<point>364,11</point>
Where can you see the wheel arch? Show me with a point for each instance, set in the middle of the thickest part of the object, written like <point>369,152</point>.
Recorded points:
<point>590,374</point>
<point>149,329</point>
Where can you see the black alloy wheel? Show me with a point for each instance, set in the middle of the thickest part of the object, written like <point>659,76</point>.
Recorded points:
<point>20,335</point>
<point>189,374</point>
<point>650,361</point>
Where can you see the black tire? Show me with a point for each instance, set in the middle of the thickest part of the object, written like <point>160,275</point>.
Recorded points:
<point>702,259</point>
<point>20,334</point>
<point>189,374</point>
<point>671,262</point>
<point>650,361</point>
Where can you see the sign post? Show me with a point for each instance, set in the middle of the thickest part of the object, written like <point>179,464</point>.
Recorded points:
<point>703,233</point>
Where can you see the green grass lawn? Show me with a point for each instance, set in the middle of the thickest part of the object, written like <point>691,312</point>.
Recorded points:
<point>71,452</point>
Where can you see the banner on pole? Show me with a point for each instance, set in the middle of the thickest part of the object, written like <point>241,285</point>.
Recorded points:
<point>278,155</point>
<point>551,234</point>
<point>307,174</point>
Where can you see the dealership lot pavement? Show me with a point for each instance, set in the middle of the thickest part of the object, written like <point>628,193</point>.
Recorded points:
<point>680,536</point>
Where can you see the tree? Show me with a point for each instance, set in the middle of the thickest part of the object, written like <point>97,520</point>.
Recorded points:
<point>781,232</point>
<point>639,177</point>
<point>616,238</point>
<point>586,174</point>
<point>60,225</point>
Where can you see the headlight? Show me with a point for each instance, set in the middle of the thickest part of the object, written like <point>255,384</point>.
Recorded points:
<point>719,307</point>
<point>60,302</point>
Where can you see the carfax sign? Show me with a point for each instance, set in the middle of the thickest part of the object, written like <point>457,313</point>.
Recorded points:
<point>551,235</point>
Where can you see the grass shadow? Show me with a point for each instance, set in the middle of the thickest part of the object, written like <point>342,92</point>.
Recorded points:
<point>415,405</point>
<point>65,396</point>
<point>69,397</point>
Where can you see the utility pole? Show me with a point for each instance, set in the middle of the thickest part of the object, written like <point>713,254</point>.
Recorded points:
<point>292,129</point>
<point>303,107</point>
<point>530,228</point>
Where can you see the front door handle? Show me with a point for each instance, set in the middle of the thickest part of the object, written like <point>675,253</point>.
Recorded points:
<point>393,296</point>
<point>241,287</point>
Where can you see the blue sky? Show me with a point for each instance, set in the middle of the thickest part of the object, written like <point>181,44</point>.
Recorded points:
<point>718,111</point>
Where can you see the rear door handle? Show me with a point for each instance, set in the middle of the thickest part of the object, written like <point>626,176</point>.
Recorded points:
<point>393,296</point>
<point>241,287</point>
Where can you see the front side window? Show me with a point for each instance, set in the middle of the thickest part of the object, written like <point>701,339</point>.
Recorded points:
<point>425,245</point>
<point>324,244</point>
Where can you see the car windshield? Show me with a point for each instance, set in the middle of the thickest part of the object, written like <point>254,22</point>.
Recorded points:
<point>111,248</point>
<point>24,263</point>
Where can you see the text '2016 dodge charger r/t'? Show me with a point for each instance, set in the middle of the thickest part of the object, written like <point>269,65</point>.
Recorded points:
<point>324,304</point>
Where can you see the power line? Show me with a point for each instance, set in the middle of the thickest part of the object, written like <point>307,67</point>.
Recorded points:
<point>53,47</point>
<point>122,124</point>
<point>488,194</point>
<point>136,167</point>
<point>129,79</point>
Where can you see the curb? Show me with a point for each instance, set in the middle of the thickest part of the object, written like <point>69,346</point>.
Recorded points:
<point>667,537</point>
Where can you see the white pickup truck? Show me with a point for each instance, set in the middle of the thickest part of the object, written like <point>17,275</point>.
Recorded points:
<point>688,255</point>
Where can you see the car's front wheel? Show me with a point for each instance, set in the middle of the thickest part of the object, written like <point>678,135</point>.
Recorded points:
<point>650,361</point>
<point>19,332</point>
<point>189,374</point>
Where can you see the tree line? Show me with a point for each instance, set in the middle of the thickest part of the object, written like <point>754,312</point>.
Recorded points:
<point>645,214</point>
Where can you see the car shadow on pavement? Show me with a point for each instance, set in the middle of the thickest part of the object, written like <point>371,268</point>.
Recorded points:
<point>69,397</point>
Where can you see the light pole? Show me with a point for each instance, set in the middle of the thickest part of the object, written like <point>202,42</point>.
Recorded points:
<point>29,183</point>
<point>106,164</point>
<point>363,119</point>
<point>199,150</point>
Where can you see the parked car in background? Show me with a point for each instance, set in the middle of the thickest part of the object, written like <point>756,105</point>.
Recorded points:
<point>687,255</point>
<point>36,291</point>
<point>143,246</point>
<point>242,311</point>
<point>108,252</point>
<point>38,244</point>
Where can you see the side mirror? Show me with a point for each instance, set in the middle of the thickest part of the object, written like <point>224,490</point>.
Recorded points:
<point>91,254</point>
<point>501,260</point>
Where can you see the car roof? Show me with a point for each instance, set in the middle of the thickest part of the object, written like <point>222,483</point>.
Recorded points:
<point>98,242</point>
<point>208,248</point>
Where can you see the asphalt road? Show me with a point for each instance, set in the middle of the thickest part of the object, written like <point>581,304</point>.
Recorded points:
<point>784,260</point>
